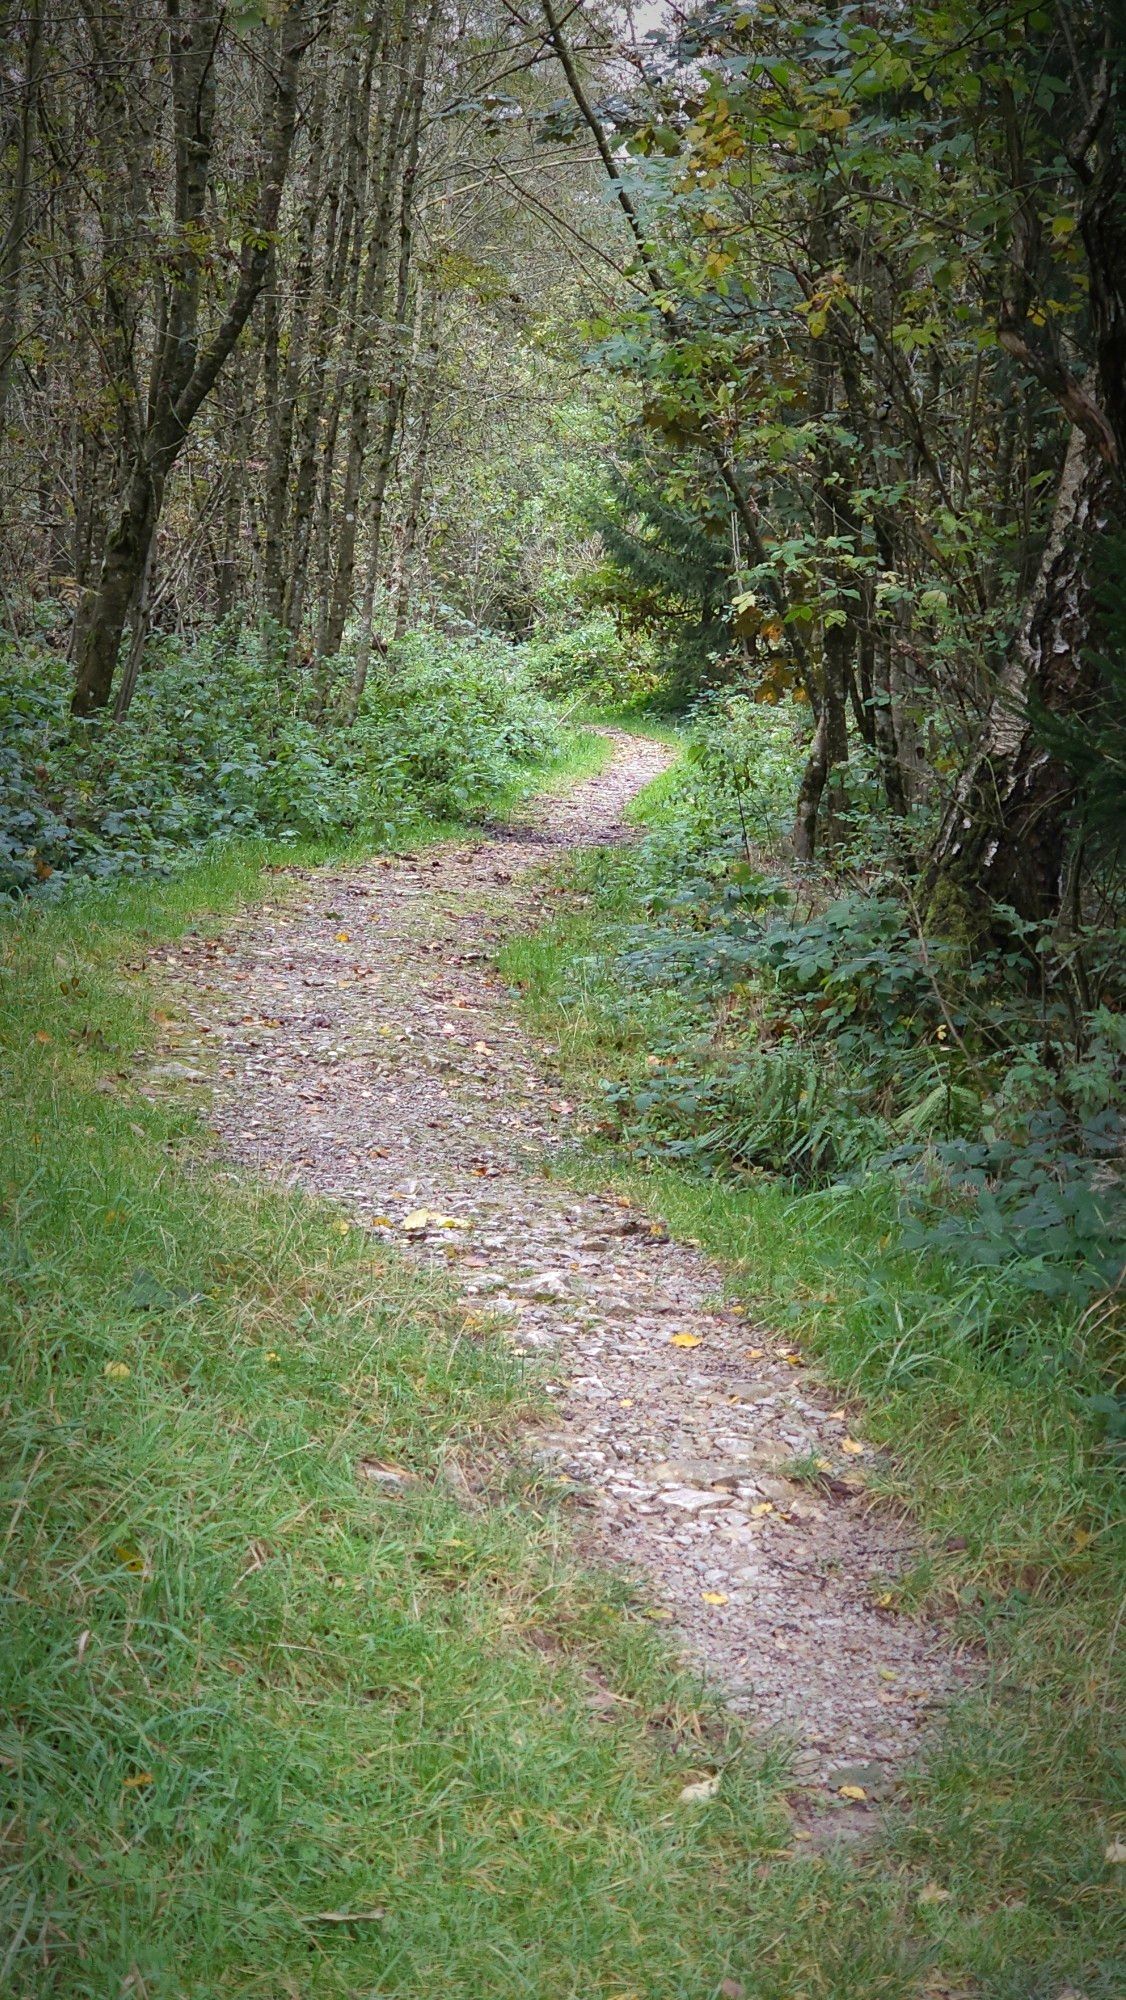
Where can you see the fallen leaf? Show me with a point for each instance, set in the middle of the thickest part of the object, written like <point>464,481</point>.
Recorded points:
<point>853,1792</point>
<point>823,1464</point>
<point>933,1894</point>
<point>117,1371</point>
<point>341,1228</point>
<point>887,1673</point>
<point>658,1614</point>
<point>625,1403</point>
<point>714,1596</point>
<point>703,1788</point>
<point>884,1601</point>
<point>686,1340</point>
<point>853,1449</point>
<point>343,937</point>
<point>1116,1853</point>
<point>760,1508</point>
<point>83,1641</point>
<point>418,1220</point>
<point>138,1781</point>
<point>754,1353</point>
<point>41,1035</point>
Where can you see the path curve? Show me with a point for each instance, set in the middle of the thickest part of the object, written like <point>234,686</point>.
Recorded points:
<point>371,1053</point>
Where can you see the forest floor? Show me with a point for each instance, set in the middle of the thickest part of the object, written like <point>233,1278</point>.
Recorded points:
<point>364,1048</point>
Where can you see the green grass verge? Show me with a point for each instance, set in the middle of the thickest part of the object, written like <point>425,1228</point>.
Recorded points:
<point>991,1445</point>
<point>273,1727</point>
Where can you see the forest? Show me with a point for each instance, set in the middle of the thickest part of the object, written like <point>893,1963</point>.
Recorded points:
<point>562,742</point>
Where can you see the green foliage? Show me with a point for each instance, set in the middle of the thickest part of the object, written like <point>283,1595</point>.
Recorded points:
<point>826,1038</point>
<point>223,740</point>
<point>590,662</point>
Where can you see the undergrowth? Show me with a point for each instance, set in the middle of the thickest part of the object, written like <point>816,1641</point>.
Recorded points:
<point>225,739</point>
<point>719,1036</point>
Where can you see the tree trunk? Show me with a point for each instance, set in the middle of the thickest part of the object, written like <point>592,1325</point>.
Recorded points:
<point>1004,835</point>
<point>11,247</point>
<point>183,376</point>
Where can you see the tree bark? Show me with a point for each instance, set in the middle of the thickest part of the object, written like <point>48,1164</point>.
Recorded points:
<point>1004,836</point>
<point>183,377</point>
<point>11,247</point>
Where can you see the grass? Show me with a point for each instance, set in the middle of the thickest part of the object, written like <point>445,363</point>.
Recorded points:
<point>274,1727</point>
<point>990,1444</point>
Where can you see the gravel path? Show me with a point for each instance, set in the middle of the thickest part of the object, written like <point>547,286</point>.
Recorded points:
<point>370,1053</point>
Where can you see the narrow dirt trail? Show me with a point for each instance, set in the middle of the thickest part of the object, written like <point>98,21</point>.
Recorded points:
<point>370,1053</point>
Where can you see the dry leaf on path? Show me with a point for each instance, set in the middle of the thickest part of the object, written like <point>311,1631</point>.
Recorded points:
<point>686,1340</point>
<point>856,1792</point>
<point>853,1449</point>
<point>714,1596</point>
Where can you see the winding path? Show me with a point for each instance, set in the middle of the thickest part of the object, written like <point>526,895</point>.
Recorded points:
<point>370,1053</point>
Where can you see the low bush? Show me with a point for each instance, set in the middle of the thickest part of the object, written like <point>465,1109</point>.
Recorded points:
<point>592,663</point>
<point>223,739</point>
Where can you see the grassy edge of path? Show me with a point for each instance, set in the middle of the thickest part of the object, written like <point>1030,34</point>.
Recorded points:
<point>1018,1810</point>
<point>287,1712</point>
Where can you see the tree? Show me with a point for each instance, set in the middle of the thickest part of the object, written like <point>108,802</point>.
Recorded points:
<point>186,364</point>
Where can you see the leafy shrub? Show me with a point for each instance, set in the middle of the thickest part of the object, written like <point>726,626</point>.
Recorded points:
<point>224,740</point>
<point>823,1043</point>
<point>592,662</point>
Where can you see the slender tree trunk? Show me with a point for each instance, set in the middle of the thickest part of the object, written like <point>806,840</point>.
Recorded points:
<point>183,377</point>
<point>1004,835</point>
<point>11,247</point>
<point>410,524</point>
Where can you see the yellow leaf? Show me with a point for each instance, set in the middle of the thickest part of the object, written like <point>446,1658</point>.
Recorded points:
<point>341,1228</point>
<point>853,1792</point>
<point>272,1354</point>
<point>658,1614</point>
<point>763,1507</point>
<point>118,1371</point>
<point>853,1449</point>
<point>139,1778</point>
<point>823,1464</point>
<point>885,1601</point>
<point>887,1673</point>
<point>754,1353</point>
<point>625,1403</point>
<point>686,1340</point>
<point>129,1555</point>
<point>382,1222</point>
<point>714,1596</point>
<point>417,1220</point>
<point>342,937</point>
